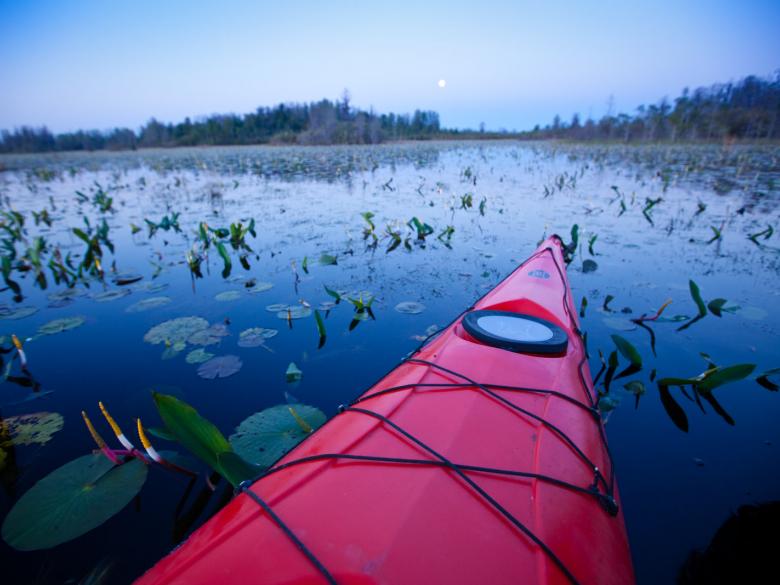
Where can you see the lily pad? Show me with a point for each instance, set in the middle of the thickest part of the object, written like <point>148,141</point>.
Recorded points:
<point>266,436</point>
<point>255,336</point>
<point>198,356</point>
<point>36,428</point>
<point>220,367</point>
<point>61,325</point>
<point>296,312</point>
<point>17,312</point>
<point>228,295</point>
<point>171,351</point>
<point>212,335</point>
<point>260,287</point>
<point>410,308</point>
<point>110,295</point>
<point>127,278</point>
<point>753,313</point>
<point>618,324</point>
<point>72,500</point>
<point>589,266</point>
<point>293,373</point>
<point>147,304</point>
<point>276,307</point>
<point>178,329</point>
<point>66,294</point>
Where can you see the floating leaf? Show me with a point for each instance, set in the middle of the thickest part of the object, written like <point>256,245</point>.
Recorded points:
<point>255,336</point>
<point>753,313</point>
<point>228,295</point>
<point>171,351</point>
<point>266,436</point>
<point>618,324</point>
<point>110,295</point>
<point>275,308</point>
<point>123,279</point>
<point>72,500</point>
<point>328,260</point>
<point>198,356</point>
<point>220,367</point>
<point>17,312</point>
<point>293,373</point>
<point>212,335</point>
<point>260,287</point>
<point>178,329</point>
<point>148,304</point>
<point>410,307</point>
<point>636,387</point>
<point>296,312</point>
<point>61,325</point>
<point>589,266</point>
<point>36,428</point>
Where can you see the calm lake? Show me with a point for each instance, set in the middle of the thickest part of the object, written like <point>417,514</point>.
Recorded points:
<point>650,219</point>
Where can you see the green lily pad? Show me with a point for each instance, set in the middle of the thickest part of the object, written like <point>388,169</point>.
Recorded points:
<point>198,356</point>
<point>266,436</point>
<point>276,307</point>
<point>17,312</point>
<point>260,287</point>
<point>255,336</point>
<point>72,500</point>
<point>178,329</point>
<point>147,304</point>
<point>296,312</point>
<point>61,325</point>
<point>228,295</point>
<point>36,428</point>
<point>110,295</point>
<point>220,367</point>
<point>410,308</point>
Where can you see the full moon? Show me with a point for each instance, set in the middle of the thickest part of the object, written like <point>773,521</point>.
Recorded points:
<point>442,83</point>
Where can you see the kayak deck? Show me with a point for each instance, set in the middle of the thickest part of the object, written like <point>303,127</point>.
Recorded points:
<point>465,464</point>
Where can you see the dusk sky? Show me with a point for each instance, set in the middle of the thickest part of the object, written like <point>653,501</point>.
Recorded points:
<point>100,64</point>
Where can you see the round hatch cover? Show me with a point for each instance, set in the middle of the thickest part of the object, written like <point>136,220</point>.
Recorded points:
<point>516,332</point>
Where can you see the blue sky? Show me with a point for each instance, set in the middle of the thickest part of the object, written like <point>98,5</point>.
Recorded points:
<point>99,64</point>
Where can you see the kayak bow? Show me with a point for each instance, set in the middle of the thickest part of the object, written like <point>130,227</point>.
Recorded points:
<point>481,458</point>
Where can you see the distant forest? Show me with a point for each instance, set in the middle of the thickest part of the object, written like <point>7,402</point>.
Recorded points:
<point>323,122</point>
<point>748,109</point>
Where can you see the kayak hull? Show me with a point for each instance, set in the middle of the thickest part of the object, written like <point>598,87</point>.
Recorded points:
<point>478,479</point>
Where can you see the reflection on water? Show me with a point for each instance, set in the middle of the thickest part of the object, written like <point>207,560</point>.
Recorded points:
<point>650,219</point>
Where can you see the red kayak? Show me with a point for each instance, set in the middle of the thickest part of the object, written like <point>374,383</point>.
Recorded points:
<point>480,459</point>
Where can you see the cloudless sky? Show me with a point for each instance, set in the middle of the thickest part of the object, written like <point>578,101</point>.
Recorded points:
<point>510,64</point>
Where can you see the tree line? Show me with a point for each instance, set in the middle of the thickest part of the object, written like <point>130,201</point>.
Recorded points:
<point>746,109</point>
<point>323,122</point>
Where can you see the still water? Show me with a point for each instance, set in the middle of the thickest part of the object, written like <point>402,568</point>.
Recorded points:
<point>650,218</point>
